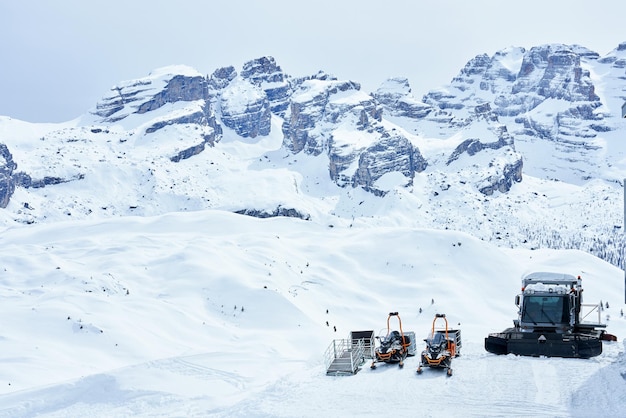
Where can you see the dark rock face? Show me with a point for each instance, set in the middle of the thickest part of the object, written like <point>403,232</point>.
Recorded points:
<point>189,152</point>
<point>313,104</point>
<point>247,101</point>
<point>179,88</point>
<point>262,70</point>
<point>391,153</point>
<point>554,71</point>
<point>395,96</point>
<point>144,96</point>
<point>24,180</point>
<point>545,93</point>
<point>7,183</point>
<point>222,77</point>
<point>197,117</point>
<point>245,109</point>
<point>511,173</point>
<point>120,99</point>
<point>478,66</point>
<point>546,72</point>
<point>10,179</point>
<point>265,73</point>
<point>320,106</point>
<point>279,211</point>
<point>501,175</point>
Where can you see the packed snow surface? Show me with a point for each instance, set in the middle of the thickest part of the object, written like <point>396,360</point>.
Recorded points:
<point>215,314</point>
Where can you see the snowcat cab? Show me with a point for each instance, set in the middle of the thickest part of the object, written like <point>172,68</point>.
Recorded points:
<point>394,345</point>
<point>441,346</point>
<point>548,322</point>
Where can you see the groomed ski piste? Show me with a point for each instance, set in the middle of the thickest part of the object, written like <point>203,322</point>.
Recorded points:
<point>212,314</point>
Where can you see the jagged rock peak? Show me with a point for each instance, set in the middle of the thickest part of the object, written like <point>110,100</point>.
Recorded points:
<point>477,65</point>
<point>488,71</point>
<point>395,95</point>
<point>392,90</point>
<point>221,77</point>
<point>164,85</point>
<point>324,100</point>
<point>245,108</point>
<point>554,71</point>
<point>261,70</point>
<point>7,184</point>
<point>266,74</point>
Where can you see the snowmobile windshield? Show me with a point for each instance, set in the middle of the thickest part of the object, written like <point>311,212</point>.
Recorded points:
<point>436,339</point>
<point>393,335</point>
<point>546,310</point>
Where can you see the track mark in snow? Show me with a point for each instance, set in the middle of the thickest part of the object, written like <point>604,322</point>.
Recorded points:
<point>188,368</point>
<point>545,375</point>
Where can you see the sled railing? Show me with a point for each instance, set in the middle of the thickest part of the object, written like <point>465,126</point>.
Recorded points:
<point>369,342</point>
<point>344,356</point>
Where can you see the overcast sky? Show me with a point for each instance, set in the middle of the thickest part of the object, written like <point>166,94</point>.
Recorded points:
<point>59,58</point>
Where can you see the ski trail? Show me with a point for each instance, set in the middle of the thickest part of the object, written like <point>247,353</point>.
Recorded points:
<point>548,393</point>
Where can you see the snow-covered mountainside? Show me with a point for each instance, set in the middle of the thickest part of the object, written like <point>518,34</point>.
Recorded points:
<point>524,147</point>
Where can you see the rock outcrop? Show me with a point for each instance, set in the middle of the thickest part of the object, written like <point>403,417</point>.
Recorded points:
<point>266,74</point>
<point>7,182</point>
<point>395,95</point>
<point>335,118</point>
<point>245,108</point>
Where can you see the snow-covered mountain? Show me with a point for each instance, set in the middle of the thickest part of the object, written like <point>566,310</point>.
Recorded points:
<point>177,140</point>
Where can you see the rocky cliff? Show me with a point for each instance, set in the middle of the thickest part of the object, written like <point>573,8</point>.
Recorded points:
<point>479,132</point>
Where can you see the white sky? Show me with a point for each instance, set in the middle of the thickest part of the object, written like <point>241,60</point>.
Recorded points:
<point>60,58</point>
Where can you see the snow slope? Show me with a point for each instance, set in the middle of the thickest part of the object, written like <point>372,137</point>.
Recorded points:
<point>210,313</point>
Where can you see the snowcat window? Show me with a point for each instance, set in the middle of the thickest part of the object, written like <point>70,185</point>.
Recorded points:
<point>546,309</point>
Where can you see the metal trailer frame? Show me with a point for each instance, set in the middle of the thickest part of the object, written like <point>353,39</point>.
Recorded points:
<point>369,341</point>
<point>343,357</point>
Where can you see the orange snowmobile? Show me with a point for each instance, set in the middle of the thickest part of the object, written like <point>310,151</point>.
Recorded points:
<point>394,346</point>
<point>441,346</point>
